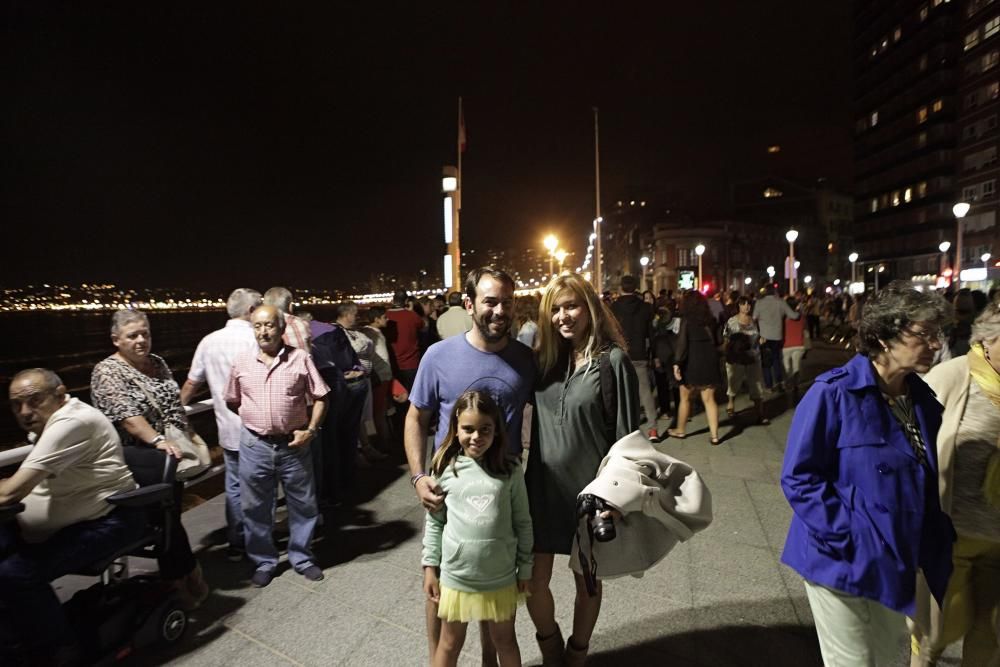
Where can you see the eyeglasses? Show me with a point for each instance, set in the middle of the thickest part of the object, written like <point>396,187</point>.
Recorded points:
<point>929,336</point>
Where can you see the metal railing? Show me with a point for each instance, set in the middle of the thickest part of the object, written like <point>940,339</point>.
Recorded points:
<point>12,457</point>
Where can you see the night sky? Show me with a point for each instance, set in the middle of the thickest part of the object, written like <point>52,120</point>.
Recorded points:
<point>212,145</point>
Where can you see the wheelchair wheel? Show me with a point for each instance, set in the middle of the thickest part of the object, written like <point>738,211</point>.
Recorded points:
<point>173,623</point>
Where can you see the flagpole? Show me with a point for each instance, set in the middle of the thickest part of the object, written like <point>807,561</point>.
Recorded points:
<point>598,283</point>
<point>456,272</point>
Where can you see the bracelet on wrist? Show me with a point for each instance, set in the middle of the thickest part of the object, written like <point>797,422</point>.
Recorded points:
<point>157,440</point>
<point>416,478</point>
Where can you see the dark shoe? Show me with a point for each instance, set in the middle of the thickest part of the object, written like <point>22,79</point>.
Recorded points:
<point>553,648</point>
<point>235,554</point>
<point>312,573</point>
<point>262,577</point>
<point>715,441</point>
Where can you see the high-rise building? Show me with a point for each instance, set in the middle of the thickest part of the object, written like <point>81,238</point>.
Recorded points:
<point>923,133</point>
<point>979,104</point>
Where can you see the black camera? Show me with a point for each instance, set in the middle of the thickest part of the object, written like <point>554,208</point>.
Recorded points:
<point>592,506</point>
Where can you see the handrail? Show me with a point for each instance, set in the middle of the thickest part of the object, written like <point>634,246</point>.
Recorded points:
<point>14,456</point>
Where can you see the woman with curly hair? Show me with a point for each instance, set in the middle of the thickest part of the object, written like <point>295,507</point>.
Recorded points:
<point>578,343</point>
<point>861,475</point>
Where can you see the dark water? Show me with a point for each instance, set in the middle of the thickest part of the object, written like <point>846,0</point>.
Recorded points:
<point>72,343</point>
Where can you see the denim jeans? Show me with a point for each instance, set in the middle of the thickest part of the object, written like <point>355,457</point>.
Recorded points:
<point>263,463</point>
<point>28,605</point>
<point>774,371</point>
<point>234,511</point>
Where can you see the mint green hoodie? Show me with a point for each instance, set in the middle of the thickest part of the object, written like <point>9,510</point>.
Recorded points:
<point>482,537</point>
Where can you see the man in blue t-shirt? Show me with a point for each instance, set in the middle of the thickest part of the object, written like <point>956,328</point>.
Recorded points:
<point>486,358</point>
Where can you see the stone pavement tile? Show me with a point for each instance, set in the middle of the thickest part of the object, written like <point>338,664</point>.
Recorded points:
<point>311,629</point>
<point>773,511</point>
<point>387,645</point>
<point>797,594</point>
<point>734,517</point>
<point>632,616</point>
<point>230,647</point>
<point>739,573</point>
<point>669,579</point>
<point>741,467</point>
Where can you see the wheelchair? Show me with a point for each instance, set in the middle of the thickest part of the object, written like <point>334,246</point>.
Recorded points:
<point>121,614</point>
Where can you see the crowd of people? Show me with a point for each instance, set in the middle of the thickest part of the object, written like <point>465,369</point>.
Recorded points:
<point>505,409</point>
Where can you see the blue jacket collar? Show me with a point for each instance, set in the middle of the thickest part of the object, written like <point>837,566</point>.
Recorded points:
<point>861,375</point>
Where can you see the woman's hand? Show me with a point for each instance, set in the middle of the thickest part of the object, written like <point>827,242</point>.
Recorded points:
<point>524,585</point>
<point>171,448</point>
<point>431,586</point>
<point>677,373</point>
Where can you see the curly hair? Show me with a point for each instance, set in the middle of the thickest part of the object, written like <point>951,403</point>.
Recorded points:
<point>891,310</point>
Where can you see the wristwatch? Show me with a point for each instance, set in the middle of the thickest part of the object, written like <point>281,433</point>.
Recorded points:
<point>313,432</point>
<point>157,440</point>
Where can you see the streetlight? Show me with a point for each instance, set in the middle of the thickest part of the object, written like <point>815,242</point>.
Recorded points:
<point>643,262</point>
<point>560,257</point>
<point>852,258</point>
<point>944,246</point>
<point>551,243</point>
<point>770,272</point>
<point>807,279</point>
<point>959,210</point>
<point>699,250</point>
<point>790,236</point>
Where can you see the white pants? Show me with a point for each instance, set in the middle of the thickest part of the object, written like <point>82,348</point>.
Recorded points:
<point>855,631</point>
<point>792,357</point>
<point>737,374</point>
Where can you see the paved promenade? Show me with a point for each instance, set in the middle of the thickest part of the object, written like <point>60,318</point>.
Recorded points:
<point>721,599</point>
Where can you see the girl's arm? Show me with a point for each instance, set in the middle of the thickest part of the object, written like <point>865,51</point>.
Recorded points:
<point>433,527</point>
<point>521,522</point>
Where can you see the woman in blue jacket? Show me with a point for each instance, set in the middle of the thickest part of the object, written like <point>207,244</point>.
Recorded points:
<point>860,473</point>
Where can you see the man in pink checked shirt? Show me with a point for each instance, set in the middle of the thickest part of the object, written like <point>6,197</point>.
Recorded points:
<point>270,389</point>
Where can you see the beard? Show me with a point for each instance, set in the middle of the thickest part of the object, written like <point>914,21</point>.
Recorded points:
<point>483,325</point>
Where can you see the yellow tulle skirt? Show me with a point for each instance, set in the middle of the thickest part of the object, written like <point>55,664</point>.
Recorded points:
<point>462,606</point>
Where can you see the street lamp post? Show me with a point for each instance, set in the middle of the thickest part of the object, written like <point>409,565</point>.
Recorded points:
<point>852,258</point>
<point>699,250</point>
<point>643,262</point>
<point>943,247</point>
<point>551,243</point>
<point>770,272</point>
<point>959,210</point>
<point>560,257</point>
<point>790,236</point>
<point>748,281</point>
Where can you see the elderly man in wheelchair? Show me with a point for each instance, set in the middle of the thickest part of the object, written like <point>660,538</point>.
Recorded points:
<point>73,506</point>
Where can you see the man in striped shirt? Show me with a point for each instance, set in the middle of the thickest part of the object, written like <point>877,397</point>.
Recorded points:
<point>270,388</point>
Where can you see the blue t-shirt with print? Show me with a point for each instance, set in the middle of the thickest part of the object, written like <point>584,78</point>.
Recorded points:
<point>453,366</point>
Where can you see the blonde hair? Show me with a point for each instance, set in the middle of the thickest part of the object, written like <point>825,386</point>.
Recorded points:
<point>604,328</point>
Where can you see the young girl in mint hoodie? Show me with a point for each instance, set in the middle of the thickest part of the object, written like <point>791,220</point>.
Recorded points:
<point>477,548</point>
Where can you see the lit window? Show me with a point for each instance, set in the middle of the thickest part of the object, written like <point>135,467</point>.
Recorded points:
<point>921,115</point>
<point>885,42</point>
<point>992,27</point>
<point>970,193</point>
<point>874,52</point>
<point>972,39</point>
<point>874,204</point>
<point>972,99</point>
<point>908,195</point>
<point>990,60</point>
<point>897,34</point>
<point>923,13</point>
<point>895,198</point>
<point>993,90</point>
<point>874,118</point>
<point>922,189</point>
<point>632,203</point>
<point>921,139</point>
<point>989,188</point>
<point>937,105</point>
<point>771,193</point>
<point>642,203</point>
<point>935,3</point>
<point>775,148</point>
